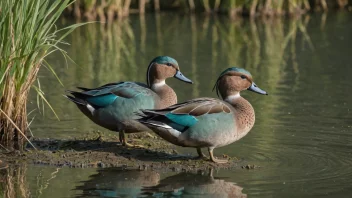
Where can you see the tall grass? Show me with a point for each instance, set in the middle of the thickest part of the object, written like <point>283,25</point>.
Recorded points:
<point>109,9</point>
<point>27,35</point>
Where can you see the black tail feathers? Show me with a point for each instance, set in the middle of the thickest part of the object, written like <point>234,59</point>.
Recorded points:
<point>75,100</point>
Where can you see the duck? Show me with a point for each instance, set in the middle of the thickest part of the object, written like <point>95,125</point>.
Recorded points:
<point>114,105</point>
<point>208,122</point>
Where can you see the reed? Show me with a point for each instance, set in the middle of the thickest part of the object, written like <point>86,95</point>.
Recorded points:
<point>27,36</point>
<point>93,9</point>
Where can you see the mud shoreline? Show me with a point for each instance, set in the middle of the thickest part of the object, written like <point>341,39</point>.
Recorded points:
<point>97,150</point>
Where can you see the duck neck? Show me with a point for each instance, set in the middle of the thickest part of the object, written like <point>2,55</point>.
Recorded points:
<point>244,113</point>
<point>166,94</point>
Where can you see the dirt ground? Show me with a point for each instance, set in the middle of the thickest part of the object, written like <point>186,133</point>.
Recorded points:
<point>97,150</point>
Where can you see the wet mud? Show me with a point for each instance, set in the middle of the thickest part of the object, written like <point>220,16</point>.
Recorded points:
<point>98,150</point>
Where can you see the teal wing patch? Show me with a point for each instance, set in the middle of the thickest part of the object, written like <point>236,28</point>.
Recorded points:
<point>102,100</point>
<point>182,119</point>
<point>107,94</point>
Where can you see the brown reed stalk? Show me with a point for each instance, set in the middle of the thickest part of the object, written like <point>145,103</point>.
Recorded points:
<point>192,6</point>
<point>206,6</point>
<point>142,4</point>
<point>156,5</point>
<point>217,5</point>
<point>126,7</point>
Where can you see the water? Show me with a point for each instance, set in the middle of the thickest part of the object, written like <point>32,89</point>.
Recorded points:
<point>302,136</point>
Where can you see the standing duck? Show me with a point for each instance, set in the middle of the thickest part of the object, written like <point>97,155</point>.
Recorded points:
<point>208,122</point>
<point>114,105</point>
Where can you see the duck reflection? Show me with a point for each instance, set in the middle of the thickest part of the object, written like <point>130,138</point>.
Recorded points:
<point>112,182</point>
<point>195,185</point>
<point>134,183</point>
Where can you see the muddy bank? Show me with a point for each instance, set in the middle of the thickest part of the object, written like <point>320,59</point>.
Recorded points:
<point>97,150</point>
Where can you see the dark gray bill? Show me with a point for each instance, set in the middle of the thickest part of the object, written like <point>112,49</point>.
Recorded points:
<point>180,76</point>
<point>256,89</point>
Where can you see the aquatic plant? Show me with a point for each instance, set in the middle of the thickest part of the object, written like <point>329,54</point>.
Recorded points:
<point>27,36</point>
<point>93,9</point>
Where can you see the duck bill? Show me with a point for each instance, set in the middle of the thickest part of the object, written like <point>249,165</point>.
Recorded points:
<point>181,77</point>
<point>256,89</point>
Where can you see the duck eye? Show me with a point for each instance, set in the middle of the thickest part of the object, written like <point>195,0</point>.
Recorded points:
<point>243,77</point>
<point>168,64</point>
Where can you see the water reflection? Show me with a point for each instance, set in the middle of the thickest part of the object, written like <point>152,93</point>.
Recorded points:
<point>134,183</point>
<point>195,185</point>
<point>112,182</point>
<point>13,182</point>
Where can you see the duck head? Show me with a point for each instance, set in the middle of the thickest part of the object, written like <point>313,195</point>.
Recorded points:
<point>163,67</point>
<point>233,80</point>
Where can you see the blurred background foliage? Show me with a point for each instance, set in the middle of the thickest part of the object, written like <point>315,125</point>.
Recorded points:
<point>109,9</point>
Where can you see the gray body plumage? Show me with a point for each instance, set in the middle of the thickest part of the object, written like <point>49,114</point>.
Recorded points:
<point>211,130</point>
<point>215,126</point>
<point>121,113</point>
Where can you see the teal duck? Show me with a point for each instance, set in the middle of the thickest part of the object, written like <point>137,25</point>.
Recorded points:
<point>208,122</point>
<point>114,105</point>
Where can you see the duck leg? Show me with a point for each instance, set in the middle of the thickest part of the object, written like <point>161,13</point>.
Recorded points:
<point>200,154</point>
<point>124,142</point>
<point>212,158</point>
<point>123,139</point>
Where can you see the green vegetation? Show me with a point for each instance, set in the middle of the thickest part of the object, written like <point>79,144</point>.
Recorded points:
<point>27,36</point>
<point>110,9</point>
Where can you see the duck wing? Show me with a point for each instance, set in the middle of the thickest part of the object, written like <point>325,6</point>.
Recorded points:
<point>105,95</point>
<point>181,116</point>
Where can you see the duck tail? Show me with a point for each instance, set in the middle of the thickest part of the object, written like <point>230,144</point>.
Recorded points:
<point>152,123</point>
<point>76,100</point>
<point>84,89</point>
<point>151,118</point>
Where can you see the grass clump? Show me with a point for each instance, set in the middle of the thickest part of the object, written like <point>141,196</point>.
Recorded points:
<point>27,35</point>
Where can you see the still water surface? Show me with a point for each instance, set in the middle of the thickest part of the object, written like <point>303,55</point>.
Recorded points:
<point>302,138</point>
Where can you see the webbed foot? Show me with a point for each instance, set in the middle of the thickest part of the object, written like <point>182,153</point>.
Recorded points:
<point>150,135</point>
<point>132,145</point>
<point>125,143</point>
<point>213,159</point>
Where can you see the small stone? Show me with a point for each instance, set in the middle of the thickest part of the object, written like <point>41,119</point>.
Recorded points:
<point>248,166</point>
<point>101,164</point>
<point>225,156</point>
